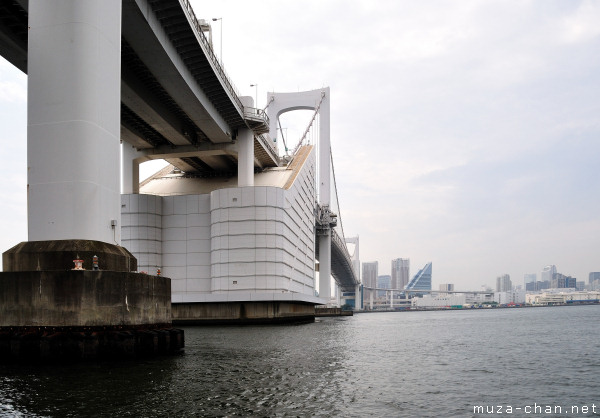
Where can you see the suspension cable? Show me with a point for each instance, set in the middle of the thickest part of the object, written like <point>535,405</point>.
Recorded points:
<point>339,214</point>
<point>282,136</point>
<point>310,123</point>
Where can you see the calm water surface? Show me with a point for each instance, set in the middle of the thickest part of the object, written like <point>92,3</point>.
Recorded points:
<point>378,364</point>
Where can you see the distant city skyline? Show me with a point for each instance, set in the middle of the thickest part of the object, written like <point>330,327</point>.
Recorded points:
<point>546,275</point>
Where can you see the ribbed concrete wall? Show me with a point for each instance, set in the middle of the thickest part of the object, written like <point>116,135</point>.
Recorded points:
<point>141,232</point>
<point>263,238</point>
<point>186,243</point>
<point>242,243</point>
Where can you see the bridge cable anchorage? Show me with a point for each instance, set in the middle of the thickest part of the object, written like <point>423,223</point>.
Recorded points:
<point>271,100</point>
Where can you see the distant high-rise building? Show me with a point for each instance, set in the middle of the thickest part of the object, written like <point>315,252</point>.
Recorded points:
<point>369,277</point>
<point>421,280</point>
<point>548,272</point>
<point>539,285</point>
<point>595,275</point>
<point>503,283</point>
<point>446,287</point>
<point>560,281</point>
<point>400,272</point>
<point>530,279</point>
<point>383,282</point>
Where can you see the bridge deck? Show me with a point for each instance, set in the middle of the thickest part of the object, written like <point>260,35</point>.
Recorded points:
<point>174,91</point>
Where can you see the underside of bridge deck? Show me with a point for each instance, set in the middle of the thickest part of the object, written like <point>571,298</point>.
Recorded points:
<point>174,91</point>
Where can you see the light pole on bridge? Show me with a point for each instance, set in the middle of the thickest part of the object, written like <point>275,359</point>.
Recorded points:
<point>255,95</point>
<point>214,19</point>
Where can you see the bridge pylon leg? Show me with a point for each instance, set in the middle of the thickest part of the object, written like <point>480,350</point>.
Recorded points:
<point>325,266</point>
<point>357,298</point>
<point>245,143</point>
<point>130,167</point>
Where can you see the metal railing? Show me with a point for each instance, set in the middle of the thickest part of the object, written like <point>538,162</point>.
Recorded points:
<point>210,53</point>
<point>266,142</point>
<point>256,114</point>
<point>335,237</point>
<point>336,240</point>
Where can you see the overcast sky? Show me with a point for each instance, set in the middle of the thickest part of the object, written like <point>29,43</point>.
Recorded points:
<point>465,133</point>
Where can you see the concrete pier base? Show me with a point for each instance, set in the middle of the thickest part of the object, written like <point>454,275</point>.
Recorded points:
<point>223,313</point>
<point>83,298</point>
<point>82,314</point>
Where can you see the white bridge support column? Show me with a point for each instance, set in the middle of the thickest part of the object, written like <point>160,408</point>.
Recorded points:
<point>356,266</point>
<point>74,79</point>
<point>371,297</point>
<point>131,160</point>
<point>357,298</point>
<point>245,142</point>
<point>391,299</point>
<point>325,266</point>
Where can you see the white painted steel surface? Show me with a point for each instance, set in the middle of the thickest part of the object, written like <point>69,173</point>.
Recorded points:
<point>357,297</point>
<point>325,266</point>
<point>280,103</point>
<point>245,142</point>
<point>74,78</point>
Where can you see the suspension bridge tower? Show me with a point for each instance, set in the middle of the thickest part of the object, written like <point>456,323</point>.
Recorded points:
<point>319,101</point>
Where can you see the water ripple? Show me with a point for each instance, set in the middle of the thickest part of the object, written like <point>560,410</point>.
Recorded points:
<point>385,364</point>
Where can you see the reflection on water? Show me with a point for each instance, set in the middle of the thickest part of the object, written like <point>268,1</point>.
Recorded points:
<point>382,364</point>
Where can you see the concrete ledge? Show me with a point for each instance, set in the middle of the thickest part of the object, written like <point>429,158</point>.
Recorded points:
<point>59,255</point>
<point>78,298</point>
<point>322,312</point>
<point>234,296</point>
<point>242,313</point>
